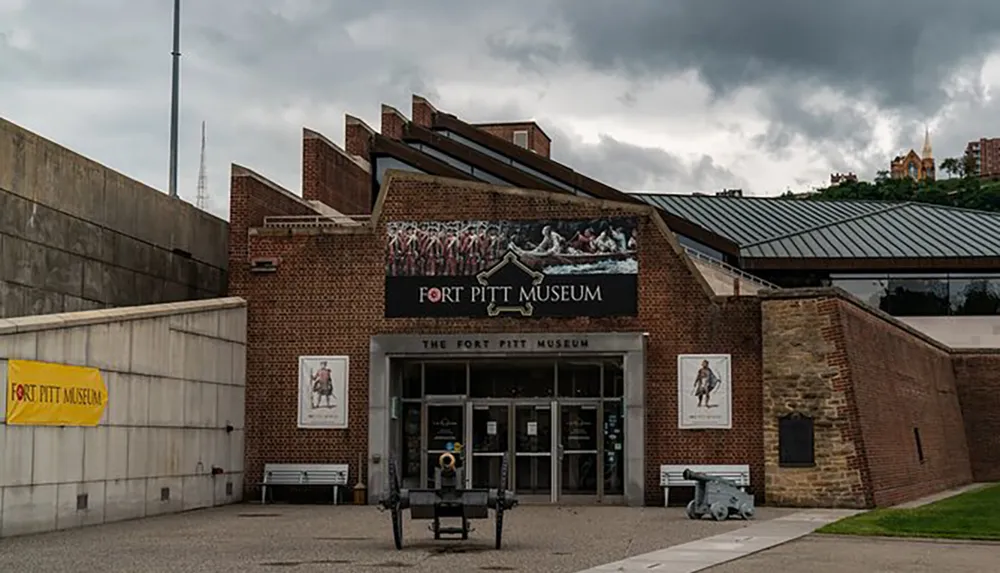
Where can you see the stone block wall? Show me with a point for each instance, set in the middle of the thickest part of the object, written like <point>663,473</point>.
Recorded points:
<point>175,380</point>
<point>75,235</point>
<point>888,423</point>
<point>805,372</point>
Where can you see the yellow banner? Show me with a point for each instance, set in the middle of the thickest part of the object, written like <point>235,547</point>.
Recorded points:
<point>47,394</point>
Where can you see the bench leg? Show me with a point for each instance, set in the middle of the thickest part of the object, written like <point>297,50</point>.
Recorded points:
<point>666,497</point>
<point>336,495</point>
<point>263,495</point>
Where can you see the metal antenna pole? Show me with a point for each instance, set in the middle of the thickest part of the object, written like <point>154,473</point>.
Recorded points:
<point>201,200</point>
<point>175,96</point>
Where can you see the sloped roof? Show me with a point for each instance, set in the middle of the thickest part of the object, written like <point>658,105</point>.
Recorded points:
<point>801,228</point>
<point>746,220</point>
<point>903,230</point>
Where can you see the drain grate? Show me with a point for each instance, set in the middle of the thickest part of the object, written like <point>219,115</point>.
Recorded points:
<point>258,515</point>
<point>393,565</point>
<point>309,562</point>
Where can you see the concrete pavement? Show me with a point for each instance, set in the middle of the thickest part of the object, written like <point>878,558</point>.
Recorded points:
<point>704,553</point>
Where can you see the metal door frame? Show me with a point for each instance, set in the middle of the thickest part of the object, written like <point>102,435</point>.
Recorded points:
<point>431,402</point>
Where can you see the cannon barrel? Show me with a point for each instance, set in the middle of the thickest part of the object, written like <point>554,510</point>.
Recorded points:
<point>697,476</point>
<point>446,461</point>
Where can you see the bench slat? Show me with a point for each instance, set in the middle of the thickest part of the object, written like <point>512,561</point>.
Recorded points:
<point>673,475</point>
<point>305,474</point>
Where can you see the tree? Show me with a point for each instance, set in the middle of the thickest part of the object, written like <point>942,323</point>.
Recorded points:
<point>951,166</point>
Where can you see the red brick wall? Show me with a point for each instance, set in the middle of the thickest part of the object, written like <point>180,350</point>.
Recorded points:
<point>330,176</point>
<point>902,382</point>
<point>977,375</point>
<point>537,141</point>
<point>327,298</point>
<point>357,137</point>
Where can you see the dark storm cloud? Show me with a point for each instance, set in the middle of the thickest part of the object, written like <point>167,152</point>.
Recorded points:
<point>634,168</point>
<point>895,50</point>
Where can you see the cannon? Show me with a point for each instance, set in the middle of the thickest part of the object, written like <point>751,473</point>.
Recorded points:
<point>448,499</point>
<point>718,497</point>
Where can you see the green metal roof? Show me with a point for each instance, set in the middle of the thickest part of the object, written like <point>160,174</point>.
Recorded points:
<point>904,230</point>
<point>746,220</point>
<point>800,228</point>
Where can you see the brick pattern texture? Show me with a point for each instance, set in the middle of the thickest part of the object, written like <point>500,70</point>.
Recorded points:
<point>537,141</point>
<point>977,375</point>
<point>332,177</point>
<point>903,383</point>
<point>327,298</point>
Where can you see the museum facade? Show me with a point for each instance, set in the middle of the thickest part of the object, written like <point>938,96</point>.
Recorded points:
<point>575,337</point>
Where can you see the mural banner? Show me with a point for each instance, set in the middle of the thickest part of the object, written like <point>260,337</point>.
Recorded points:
<point>704,392</point>
<point>323,392</point>
<point>547,268</point>
<point>47,394</point>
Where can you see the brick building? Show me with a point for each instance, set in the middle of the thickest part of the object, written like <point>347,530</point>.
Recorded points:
<point>545,317</point>
<point>982,157</point>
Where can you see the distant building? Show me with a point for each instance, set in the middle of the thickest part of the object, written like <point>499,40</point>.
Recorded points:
<point>983,157</point>
<point>917,167</point>
<point>838,178</point>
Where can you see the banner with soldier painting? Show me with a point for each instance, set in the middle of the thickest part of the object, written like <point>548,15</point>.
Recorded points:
<point>563,267</point>
<point>704,392</point>
<point>323,392</point>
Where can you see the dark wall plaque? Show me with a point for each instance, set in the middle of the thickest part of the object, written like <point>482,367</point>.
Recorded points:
<point>796,446</point>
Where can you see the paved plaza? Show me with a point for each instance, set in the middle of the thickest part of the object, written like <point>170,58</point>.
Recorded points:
<point>312,539</point>
<point>306,539</point>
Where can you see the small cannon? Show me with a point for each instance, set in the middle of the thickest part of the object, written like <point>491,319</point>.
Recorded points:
<point>448,499</point>
<point>717,497</point>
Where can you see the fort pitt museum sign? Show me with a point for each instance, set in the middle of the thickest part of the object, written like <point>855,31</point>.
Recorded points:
<point>559,268</point>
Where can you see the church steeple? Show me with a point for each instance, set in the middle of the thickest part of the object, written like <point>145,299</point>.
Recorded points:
<point>928,151</point>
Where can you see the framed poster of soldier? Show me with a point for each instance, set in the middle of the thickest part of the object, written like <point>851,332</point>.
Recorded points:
<point>704,392</point>
<point>542,268</point>
<point>322,391</point>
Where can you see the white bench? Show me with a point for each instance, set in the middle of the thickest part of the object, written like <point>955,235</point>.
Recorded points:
<point>334,475</point>
<point>673,476</point>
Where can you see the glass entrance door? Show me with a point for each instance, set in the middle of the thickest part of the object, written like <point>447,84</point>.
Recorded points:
<point>533,445</point>
<point>445,430</point>
<point>490,443</point>
<point>579,449</point>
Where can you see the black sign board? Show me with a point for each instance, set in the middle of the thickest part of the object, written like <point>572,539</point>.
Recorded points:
<point>558,268</point>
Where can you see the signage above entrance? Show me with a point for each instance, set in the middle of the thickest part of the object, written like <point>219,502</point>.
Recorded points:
<point>501,343</point>
<point>557,268</point>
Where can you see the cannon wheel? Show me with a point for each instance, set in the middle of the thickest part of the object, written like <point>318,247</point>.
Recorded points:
<point>692,510</point>
<point>395,503</point>
<point>719,511</point>
<point>501,502</point>
<point>746,511</point>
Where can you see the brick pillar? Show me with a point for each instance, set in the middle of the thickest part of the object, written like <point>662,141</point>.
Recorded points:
<point>422,111</point>
<point>392,122</point>
<point>357,137</point>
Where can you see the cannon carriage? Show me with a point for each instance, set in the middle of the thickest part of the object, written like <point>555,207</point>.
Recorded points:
<point>718,497</point>
<point>447,500</point>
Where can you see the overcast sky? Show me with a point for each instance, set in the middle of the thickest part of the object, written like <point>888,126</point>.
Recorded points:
<point>660,95</point>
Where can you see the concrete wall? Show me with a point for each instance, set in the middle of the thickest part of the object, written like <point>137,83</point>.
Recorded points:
<point>959,331</point>
<point>75,235</point>
<point>175,378</point>
<point>725,282</point>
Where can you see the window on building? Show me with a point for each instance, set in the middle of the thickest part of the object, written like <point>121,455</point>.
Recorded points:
<point>870,289</point>
<point>917,296</point>
<point>521,139</point>
<point>974,295</point>
<point>796,441</point>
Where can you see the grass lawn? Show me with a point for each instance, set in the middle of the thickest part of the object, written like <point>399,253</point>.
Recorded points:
<point>973,515</point>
